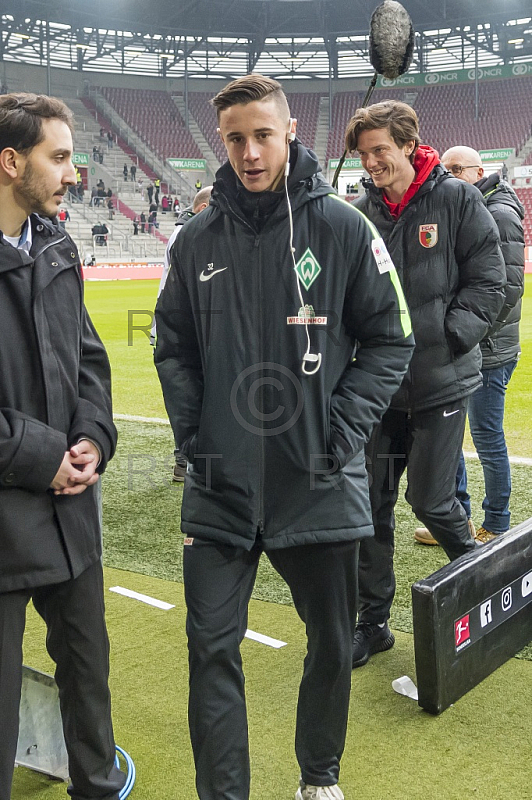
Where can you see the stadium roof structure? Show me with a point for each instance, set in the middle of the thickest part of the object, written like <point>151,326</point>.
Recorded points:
<point>281,38</point>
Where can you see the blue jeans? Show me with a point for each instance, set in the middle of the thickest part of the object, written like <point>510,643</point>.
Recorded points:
<point>486,416</point>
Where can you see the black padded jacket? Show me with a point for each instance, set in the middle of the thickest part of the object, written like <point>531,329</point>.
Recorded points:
<point>277,455</point>
<point>501,345</point>
<point>445,247</point>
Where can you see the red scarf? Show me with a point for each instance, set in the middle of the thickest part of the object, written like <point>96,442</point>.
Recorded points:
<point>425,160</point>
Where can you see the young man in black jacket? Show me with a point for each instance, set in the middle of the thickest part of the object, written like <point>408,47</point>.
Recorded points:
<point>282,335</point>
<point>500,351</point>
<point>56,437</point>
<point>446,250</point>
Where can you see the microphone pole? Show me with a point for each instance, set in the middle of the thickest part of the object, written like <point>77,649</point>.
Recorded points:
<point>391,46</point>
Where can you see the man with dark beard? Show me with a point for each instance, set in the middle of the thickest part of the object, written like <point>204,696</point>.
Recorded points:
<point>56,437</point>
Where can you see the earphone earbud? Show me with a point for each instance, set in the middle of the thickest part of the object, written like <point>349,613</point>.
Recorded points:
<point>292,125</point>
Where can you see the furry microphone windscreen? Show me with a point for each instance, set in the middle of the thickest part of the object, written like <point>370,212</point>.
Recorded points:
<point>391,39</point>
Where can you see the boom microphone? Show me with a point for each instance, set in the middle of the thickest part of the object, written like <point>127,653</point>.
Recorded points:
<point>391,46</point>
<point>391,40</point>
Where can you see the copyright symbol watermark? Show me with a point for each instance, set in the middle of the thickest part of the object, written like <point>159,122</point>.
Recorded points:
<point>267,399</point>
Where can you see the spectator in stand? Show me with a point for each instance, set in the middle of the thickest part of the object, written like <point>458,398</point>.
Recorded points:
<point>153,207</point>
<point>94,196</point>
<point>64,216</point>
<point>100,155</point>
<point>142,222</point>
<point>95,153</point>
<point>152,222</point>
<point>133,171</point>
<point>140,184</point>
<point>504,172</point>
<point>100,231</point>
<point>157,184</point>
<point>125,172</point>
<point>81,190</point>
<point>164,204</point>
<point>177,206</point>
<point>136,221</point>
<point>102,134</point>
<point>109,140</point>
<point>101,196</point>
<point>198,185</point>
<point>149,190</point>
<point>111,208</point>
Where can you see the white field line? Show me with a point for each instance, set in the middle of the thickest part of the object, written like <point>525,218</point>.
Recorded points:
<point>513,459</point>
<point>134,418</point>
<point>527,462</point>
<point>144,598</point>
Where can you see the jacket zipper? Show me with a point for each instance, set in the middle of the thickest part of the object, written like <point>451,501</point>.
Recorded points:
<point>260,521</point>
<point>50,244</point>
<point>39,343</point>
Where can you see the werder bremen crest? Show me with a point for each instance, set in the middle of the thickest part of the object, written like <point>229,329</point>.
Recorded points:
<point>307,268</point>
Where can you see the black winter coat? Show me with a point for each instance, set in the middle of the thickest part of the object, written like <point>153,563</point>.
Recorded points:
<point>453,286</point>
<point>277,455</point>
<point>54,390</point>
<point>501,345</point>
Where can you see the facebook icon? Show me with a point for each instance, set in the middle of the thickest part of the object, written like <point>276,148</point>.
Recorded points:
<point>485,614</point>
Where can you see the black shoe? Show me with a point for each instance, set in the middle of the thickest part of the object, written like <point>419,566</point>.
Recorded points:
<point>180,470</point>
<point>370,639</point>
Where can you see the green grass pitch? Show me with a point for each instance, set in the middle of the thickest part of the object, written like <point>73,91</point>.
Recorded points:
<point>479,748</point>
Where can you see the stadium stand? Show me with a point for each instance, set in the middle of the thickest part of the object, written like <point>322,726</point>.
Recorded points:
<point>154,116</point>
<point>525,196</point>
<point>304,107</point>
<point>447,114</point>
<point>446,117</point>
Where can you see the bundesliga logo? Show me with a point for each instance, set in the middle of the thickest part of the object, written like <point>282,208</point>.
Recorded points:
<point>461,633</point>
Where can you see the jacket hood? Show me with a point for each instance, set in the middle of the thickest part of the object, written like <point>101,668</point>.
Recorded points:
<point>495,189</point>
<point>305,183</point>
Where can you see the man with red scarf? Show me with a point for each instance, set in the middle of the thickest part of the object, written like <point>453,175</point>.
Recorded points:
<point>445,247</point>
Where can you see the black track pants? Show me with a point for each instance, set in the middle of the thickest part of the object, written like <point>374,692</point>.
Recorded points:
<point>218,584</point>
<point>428,445</point>
<point>77,641</point>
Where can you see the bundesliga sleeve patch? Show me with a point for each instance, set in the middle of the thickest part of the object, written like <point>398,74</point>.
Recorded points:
<point>381,256</point>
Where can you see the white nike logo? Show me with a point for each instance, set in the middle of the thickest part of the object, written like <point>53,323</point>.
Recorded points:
<point>450,413</point>
<point>207,276</point>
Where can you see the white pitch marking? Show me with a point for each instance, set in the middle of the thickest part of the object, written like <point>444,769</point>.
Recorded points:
<point>144,598</point>
<point>134,418</point>
<point>512,459</point>
<point>260,637</point>
<point>527,462</point>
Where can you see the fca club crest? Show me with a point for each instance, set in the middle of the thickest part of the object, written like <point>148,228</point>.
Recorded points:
<point>308,268</point>
<point>428,235</point>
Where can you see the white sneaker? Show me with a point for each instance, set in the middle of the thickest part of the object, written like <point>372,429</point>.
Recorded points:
<point>307,792</point>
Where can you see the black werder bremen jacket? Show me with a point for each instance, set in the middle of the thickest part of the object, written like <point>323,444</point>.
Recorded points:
<point>453,283</point>
<point>501,345</point>
<point>276,454</point>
